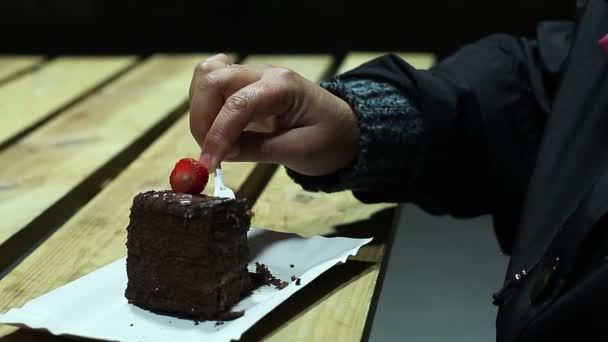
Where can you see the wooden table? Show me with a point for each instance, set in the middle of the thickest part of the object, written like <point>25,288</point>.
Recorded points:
<point>80,136</point>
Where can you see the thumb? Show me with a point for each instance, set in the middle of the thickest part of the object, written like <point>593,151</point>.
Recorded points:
<point>293,148</point>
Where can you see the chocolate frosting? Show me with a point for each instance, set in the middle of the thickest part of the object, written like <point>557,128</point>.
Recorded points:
<point>187,254</point>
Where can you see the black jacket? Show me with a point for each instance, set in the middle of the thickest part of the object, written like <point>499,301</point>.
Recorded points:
<point>518,129</point>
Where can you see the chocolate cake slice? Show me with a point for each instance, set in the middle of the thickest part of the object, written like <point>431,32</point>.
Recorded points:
<point>187,254</point>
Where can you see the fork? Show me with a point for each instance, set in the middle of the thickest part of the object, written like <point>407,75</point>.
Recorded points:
<point>220,189</point>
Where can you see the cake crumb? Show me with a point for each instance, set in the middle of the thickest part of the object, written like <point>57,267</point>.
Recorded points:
<point>218,323</point>
<point>264,277</point>
<point>131,324</point>
<point>296,279</point>
<point>197,322</point>
<point>291,265</point>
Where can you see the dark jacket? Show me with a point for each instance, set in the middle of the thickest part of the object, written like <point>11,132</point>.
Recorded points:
<point>517,129</point>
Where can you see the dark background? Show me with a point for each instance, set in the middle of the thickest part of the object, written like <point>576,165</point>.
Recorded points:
<point>96,26</point>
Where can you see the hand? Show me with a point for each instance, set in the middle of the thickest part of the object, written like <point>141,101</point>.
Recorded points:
<point>269,114</point>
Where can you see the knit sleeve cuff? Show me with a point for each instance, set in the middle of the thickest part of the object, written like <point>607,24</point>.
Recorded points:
<point>390,144</point>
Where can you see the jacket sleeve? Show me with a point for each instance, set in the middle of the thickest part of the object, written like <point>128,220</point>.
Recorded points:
<point>457,139</point>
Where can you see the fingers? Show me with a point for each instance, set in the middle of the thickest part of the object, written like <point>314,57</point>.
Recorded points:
<point>221,58</point>
<point>210,64</point>
<point>201,70</point>
<point>210,91</point>
<point>266,125</point>
<point>254,102</point>
<point>294,148</point>
<point>263,147</point>
<point>311,146</point>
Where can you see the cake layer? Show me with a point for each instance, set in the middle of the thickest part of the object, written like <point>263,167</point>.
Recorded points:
<point>187,254</point>
<point>201,303</point>
<point>155,233</point>
<point>187,206</point>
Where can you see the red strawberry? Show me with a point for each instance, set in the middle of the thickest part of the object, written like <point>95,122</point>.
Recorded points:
<point>189,176</point>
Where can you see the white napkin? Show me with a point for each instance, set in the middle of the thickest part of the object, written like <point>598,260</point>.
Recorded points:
<point>94,306</point>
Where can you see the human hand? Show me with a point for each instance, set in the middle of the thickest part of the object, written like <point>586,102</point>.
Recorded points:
<point>269,114</point>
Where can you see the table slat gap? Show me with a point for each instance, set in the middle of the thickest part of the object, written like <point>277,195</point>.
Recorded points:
<point>84,147</point>
<point>96,234</point>
<point>343,314</point>
<point>35,99</point>
<point>14,66</point>
<point>419,61</point>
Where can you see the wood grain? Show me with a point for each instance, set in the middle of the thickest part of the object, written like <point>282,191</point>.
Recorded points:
<point>284,206</point>
<point>44,167</point>
<point>31,98</point>
<point>96,235</point>
<point>12,65</point>
<point>342,313</point>
<point>418,60</point>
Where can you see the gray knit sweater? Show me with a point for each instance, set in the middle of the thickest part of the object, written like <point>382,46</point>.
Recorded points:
<point>389,145</point>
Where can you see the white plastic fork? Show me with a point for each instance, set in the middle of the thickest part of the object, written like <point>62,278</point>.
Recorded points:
<point>220,189</point>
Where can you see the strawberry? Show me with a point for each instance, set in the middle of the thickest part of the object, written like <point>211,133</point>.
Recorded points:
<point>189,176</point>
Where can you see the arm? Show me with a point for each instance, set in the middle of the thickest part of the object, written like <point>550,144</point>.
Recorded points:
<point>460,138</point>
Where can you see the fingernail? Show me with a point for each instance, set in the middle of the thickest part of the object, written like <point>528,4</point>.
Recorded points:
<point>206,160</point>
<point>234,152</point>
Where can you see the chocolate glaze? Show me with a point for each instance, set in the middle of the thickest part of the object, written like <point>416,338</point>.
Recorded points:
<point>187,254</point>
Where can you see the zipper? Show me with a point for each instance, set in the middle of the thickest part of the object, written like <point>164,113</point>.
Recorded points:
<point>499,297</point>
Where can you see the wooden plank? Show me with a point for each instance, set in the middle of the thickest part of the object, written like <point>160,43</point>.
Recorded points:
<point>284,206</point>
<point>32,98</point>
<point>12,65</point>
<point>96,235</point>
<point>340,314</point>
<point>54,162</point>
<point>418,60</point>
